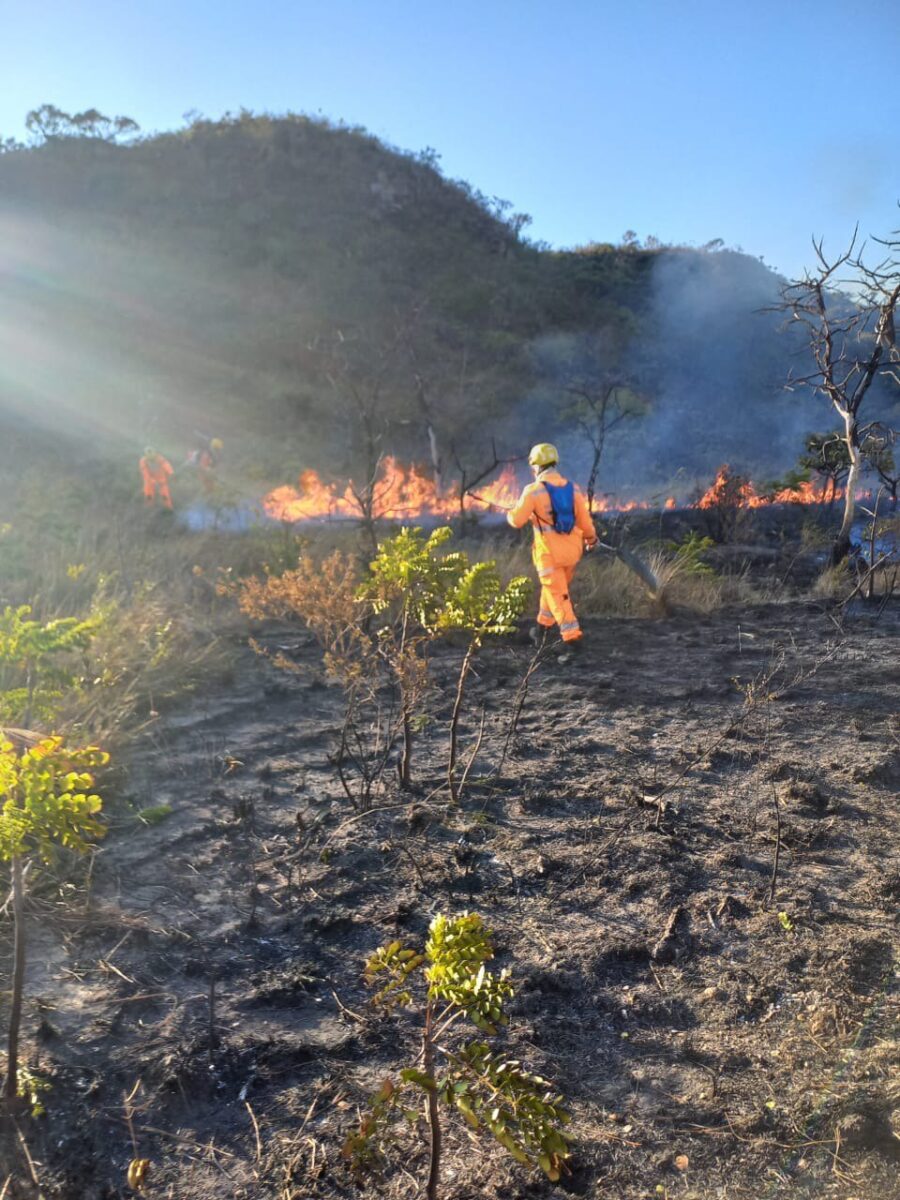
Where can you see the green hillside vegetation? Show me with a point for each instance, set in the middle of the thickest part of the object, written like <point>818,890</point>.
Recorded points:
<point>319,298</point>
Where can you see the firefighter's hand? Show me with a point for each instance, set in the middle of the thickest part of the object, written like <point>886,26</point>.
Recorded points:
<point>589,546</point>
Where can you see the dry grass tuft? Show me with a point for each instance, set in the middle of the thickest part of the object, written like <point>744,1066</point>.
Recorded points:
<point>605,587</point>
<point>148,655</point>
<point>835,582</point>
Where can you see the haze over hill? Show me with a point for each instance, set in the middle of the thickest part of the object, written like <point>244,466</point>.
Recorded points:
<point>319,298</point>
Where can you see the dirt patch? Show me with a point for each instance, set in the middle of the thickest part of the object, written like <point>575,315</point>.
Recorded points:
<point>624,857</point>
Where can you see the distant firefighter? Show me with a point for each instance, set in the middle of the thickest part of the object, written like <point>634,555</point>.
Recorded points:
<point>558,511</point>
<point>205,457</point>
<point>155,472</point>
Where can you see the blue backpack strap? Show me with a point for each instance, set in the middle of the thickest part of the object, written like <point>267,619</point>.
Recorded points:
<point>562,505</point>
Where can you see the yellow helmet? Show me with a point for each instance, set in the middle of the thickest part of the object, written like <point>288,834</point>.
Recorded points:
<point>216,444</point>
<point>543,455</point>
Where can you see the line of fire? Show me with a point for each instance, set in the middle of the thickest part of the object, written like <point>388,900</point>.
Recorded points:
<point>406,492</point>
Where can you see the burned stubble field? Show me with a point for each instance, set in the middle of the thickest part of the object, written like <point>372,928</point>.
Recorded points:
<point>718,1028</point>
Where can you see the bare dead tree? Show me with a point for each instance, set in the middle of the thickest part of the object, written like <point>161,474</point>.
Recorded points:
<point>587,376</point>
<point>358,371</point>
<point>425,388</point>
<point>852,340</point>
<point>598,409</point>
<point>452,373</point>
<point>471,477</point>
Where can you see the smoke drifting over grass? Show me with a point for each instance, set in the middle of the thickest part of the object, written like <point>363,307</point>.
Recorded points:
<point>717,366</point>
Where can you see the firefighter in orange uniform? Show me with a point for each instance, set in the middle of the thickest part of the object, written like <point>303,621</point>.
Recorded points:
<point>155,472</point>
<point>206,458</point>
<point>563,529</point>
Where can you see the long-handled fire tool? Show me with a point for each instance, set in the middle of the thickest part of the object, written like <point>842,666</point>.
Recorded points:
<point>629,557</point>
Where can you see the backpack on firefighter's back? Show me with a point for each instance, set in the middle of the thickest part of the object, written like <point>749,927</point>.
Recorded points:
<point>562,505</point>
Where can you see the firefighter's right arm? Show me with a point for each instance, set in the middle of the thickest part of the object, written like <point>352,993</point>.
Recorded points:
<point>523,511</point>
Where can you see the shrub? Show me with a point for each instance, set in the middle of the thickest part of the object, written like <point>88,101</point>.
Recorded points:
<point>36,666</point>
<point>376,630</point>
<point>324,596</point>
<point>47,802</point>
<point>430,596</point>
<point>448,981</point>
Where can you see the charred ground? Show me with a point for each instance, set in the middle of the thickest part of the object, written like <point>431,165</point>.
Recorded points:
<point>210,967</point>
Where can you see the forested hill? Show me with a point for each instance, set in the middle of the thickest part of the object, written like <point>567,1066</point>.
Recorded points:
<point>317,297</point>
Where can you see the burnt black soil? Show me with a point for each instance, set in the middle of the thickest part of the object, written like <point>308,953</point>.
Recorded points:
<point>624,857</point>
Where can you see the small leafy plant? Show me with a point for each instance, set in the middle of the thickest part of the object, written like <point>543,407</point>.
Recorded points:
<point>34,670</point>
<point>30,1089</point>
<point>449,984</point>
<point>689,553</point>
<point>432,595</point>
<point>376,631</point>
<point>479,606</point>
<point>406,586</point>
<point>46,801</point>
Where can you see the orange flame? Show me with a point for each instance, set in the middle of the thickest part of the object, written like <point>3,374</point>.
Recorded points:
<point>407,493</point>
<point>733,489</point>
<point>399,493</point>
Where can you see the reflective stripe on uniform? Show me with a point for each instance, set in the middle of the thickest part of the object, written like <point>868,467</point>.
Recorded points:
<point>568,626</point>
<point>543,572</point>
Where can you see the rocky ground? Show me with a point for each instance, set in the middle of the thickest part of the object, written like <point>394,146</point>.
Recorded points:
<point>717,1029</point>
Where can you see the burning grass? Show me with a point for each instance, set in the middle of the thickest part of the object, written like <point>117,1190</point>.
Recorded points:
<point>405,492</point>
<point>398,493</point>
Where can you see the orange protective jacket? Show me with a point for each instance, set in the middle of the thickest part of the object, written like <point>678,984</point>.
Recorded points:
<point>560,549</point>
<point>156,469</point>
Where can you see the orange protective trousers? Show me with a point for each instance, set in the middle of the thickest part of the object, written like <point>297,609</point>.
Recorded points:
<point>555,605</point>
<point>156,481</point>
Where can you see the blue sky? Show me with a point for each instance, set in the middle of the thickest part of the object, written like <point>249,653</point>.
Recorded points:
<point>760,123</point>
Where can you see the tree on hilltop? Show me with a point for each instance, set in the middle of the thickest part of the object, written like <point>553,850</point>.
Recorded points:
<point>49,123</point>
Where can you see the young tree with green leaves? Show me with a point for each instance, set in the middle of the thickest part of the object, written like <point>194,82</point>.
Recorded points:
<point>46,802</point>
<point>450,984</point>
<point>408,580</point>
<point>430,595</point>
<point>416,594</point>
<point>826,455</point>
<point>479,606</point>
<point>34,671</point>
